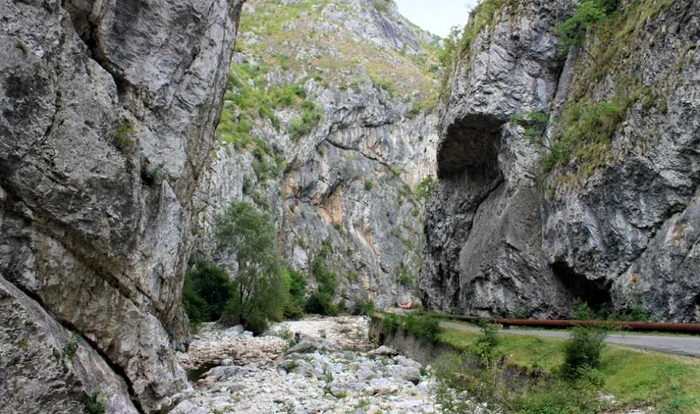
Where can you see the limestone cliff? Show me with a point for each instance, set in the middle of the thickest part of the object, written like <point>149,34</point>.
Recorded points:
<point>328,124</point>
<point>108,114</point>
<point>569,175</point>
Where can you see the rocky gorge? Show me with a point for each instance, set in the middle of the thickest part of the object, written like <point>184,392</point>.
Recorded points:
<point>529,162</point>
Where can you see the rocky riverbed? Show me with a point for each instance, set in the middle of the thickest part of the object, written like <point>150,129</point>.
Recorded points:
<point>317,365</point>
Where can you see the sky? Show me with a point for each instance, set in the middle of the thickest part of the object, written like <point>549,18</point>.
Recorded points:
<point>436,16</point>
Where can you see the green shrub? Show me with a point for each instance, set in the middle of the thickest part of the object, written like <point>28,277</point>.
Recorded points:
<point>561,397</point>
<point>260,288</point>
<point>70,349</point>
<point>322,304</point>
<point>123,139</point>
<point>93,405</point>
<point>296,286</point>
<point>424,188</point>
<point>326,279</point>
<point>634,312</point>
<point>405,276</point>
<point>306,122</point>
<point>581,311</point>
<point>382,5</point>
<point>205,292</point>
<point>582,352</point>
<point>535,125</point>
<point>365,308</point>
<point>484,348</point>
<point>390,324</point>
<point>586,132</point>
<point>369,185</point>
<point>383,84</point>
<point>423,326</point>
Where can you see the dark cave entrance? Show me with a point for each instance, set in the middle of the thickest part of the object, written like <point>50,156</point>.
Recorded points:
<point>595,293</point>
<point>471,144</point>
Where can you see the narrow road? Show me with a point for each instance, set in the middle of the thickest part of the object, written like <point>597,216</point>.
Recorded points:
<point>680,345</point>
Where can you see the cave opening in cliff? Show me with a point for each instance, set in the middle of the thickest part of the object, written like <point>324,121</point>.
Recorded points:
<point>593,292</point>
<point>471,144</point>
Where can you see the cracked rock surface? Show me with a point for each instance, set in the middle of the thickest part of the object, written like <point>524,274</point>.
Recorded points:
<point>352,181</point>
<point>108,113</point>
<point>612,221</point>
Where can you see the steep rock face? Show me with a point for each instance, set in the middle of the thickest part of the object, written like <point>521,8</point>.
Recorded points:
<point>108,111</point>
<point>483,220</point>
<point>598,203</point>
<point>356,179</point>
<point>625,218</point>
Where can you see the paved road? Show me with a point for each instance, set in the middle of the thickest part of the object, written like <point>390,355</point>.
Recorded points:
<point>681,345</point>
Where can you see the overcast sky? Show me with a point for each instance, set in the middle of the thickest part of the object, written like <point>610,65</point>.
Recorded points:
<point>436,16</point>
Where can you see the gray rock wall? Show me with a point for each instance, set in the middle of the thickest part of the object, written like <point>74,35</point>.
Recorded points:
<point>627,226</point>
<point>108,113</point>
<point>612,221</point>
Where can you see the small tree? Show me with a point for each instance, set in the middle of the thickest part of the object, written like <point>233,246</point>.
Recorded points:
<point>321,301</point>
<point>259,289</point>
<point>582,351</point>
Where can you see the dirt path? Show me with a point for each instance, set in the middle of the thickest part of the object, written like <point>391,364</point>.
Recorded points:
<point>680,345</point>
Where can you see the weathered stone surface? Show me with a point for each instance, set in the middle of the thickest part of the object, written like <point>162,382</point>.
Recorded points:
<point>323,381</point>
<point>613,227</point>
<point>628,228</point>
<point>46,368</point>
<point>483,220</point>
<point>108,112</point>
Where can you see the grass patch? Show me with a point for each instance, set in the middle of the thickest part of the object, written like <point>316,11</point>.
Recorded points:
<point>609,34</point>
<point>635,377</point>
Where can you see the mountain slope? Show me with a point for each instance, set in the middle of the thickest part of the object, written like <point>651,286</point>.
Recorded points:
<point>328,124</point>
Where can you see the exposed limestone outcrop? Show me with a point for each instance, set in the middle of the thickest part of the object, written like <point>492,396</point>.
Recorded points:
<point>108,113</point>
<point>600,204</point>
<point>625,219</point>
<point>356,180</point>
<point>483,220</point>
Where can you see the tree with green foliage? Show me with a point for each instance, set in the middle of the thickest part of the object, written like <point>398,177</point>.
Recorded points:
<point>582,352</point>
<point>259,289</point>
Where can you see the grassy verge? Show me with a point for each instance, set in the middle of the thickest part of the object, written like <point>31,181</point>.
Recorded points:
<point>636,378</point>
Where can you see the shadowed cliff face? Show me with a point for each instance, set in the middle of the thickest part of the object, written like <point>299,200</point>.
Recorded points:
<point>625,215</point>
<point>108,113</point>
<point>471,144</point>
<point>599,204</point>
